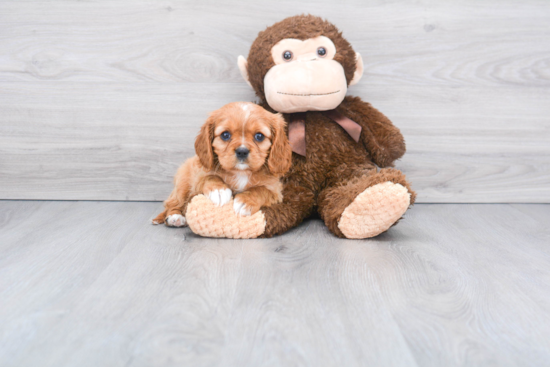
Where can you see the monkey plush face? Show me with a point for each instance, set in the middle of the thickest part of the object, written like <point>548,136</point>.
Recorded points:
<point>305,76</point>
<point>301,64</point>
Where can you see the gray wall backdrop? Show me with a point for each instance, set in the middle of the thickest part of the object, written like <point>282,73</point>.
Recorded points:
<point>101,100</point>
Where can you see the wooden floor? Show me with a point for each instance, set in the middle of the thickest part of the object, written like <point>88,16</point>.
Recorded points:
<point>93,284</point>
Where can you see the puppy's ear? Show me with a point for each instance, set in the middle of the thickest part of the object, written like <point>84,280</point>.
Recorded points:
<point>203,143</point>
<point>280,156</point>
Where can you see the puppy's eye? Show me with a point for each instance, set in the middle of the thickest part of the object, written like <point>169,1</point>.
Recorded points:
<point>226,135</point>
<point>259,137</point>
<point>321,51</point>
<point>287,55</point>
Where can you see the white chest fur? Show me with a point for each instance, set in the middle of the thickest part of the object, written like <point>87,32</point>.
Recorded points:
<point>241,180</point>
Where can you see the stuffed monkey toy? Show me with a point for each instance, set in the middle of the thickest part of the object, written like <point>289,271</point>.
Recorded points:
<point>302,68</point>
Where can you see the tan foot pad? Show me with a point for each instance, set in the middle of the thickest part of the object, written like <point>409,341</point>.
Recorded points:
<point>374,210</point>
<point>208,220</point>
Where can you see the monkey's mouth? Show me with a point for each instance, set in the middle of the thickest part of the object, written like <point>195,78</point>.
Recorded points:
<point>308,95</point>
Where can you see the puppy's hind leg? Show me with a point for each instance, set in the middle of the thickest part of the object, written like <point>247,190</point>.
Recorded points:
<point>176,204</point>
<point>175,219</point>
<point>160,218</point>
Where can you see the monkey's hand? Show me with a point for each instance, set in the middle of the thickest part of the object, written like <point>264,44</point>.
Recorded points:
<point>208,220</point>
<point>380,137</point>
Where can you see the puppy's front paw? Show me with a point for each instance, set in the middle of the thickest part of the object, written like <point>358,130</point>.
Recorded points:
<point>175,220</point>
<point>241,208</point>
<point>246,203</point>
<point>220,197</point>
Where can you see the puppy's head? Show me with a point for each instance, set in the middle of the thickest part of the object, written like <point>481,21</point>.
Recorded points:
<point>243,136</point>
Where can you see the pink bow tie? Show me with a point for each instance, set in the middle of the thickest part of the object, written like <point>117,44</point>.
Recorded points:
<point>297,129</point>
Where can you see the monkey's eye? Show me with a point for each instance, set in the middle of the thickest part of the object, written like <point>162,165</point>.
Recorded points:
<point>226,135</point>
<point>259,137</point>
<point>287,55</point>
<point>321,51</point>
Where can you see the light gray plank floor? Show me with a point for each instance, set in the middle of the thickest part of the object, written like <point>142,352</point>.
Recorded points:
<point>93,284</point>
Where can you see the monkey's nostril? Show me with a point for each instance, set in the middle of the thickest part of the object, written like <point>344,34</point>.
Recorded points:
<point>242,153</point>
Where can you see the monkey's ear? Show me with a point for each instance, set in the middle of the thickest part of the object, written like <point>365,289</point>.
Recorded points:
<point>358,69</point>
<point>203,143</point>
<point>243,65</point>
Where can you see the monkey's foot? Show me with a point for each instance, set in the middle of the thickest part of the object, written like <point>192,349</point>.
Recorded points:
<point>208,220</point>
<point>374,210</point>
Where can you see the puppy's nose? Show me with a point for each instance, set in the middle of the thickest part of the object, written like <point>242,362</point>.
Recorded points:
<point>242,152</point>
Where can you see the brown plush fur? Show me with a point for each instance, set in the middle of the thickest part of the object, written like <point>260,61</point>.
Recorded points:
<point>299,27</point>
<point>334,200</point>
<point>336,169</point>
<point>332,175</point>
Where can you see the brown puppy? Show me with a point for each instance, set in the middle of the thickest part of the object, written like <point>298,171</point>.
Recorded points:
<point>241,149</point>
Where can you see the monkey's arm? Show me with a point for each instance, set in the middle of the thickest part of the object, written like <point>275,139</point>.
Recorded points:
<point>382,140</point>
<point>297,204</point>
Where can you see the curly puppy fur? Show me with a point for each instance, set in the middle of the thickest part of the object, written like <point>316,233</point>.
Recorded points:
<point>220,166</point>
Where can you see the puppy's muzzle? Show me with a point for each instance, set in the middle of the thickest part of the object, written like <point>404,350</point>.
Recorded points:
<point>242,153</point>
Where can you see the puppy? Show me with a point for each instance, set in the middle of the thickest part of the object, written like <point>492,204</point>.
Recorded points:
<point>242,149</point>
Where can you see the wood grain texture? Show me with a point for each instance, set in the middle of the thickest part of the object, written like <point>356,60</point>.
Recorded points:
<point>102,100</point>
<point>92,283</point>
<point>447,43</point>
<point>120,142</point>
